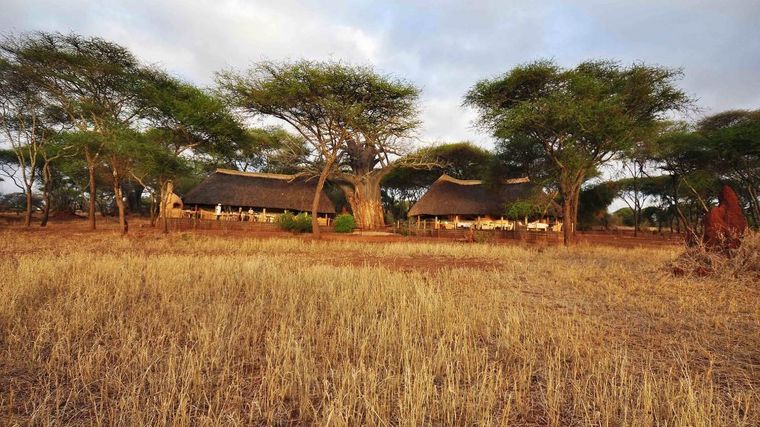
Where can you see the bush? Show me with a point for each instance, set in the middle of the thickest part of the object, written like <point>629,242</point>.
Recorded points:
<point>344,223</point>
<point>300,223</point>
<point>287,221</point>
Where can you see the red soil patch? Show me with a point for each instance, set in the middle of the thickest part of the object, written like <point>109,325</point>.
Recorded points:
<point>140,228</point>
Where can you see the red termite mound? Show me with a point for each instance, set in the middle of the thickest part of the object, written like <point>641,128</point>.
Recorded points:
<point>725,224</point>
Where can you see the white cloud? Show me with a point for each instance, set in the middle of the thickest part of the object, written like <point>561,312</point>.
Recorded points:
<point>443,47</point>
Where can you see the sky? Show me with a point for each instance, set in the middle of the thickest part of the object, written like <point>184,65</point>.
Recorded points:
<point>443,47</point>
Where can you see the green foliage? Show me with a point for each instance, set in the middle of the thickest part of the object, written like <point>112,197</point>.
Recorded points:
<point>344,223</point>
<point>521,209</point>
<point>625,215</point>
<point>315,95</point>
<point>300,223</point>
<point>405,185</point>
<point>462,160</point>
<point>593,203</point>
<point>186,117</point>
<point>578,118</point>
<point>16,202</point>
<point>720,149</point>
<point>355,120</point>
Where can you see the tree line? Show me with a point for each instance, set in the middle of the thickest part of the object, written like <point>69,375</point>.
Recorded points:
<point>85,122</point>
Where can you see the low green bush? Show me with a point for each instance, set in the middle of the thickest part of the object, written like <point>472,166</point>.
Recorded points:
<point>344,223</point>
<point>300,223</point>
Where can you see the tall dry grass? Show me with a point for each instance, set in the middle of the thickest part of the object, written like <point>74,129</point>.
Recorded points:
<point>742,262</point>
<point>96,329</point>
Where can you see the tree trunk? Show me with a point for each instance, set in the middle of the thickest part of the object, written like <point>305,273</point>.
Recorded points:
<point>570,200</point>
<point>576,202</point>
<point>118,195</point>
<point>636,216</point>
<point>28,211</point>
<point>154,209</point>
<point>134,198</point>
<point>364,198</point>
<point>166,190</point>
<point>636,202</point>
<point>46,194</point>
<point>91,176</point>
<point>45,209</point>
<point>567,212</point>
<point>317,194</point>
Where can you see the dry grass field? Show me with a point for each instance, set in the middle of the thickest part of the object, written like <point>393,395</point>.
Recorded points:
<point>223,330</point>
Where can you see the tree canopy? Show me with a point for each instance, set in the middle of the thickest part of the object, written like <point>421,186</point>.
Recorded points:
<point>578,118</point>
<point>357,122</point>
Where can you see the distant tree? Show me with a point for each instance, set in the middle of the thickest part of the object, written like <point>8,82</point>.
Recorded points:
<point>27,123</point>
<point>9,168</point>
<point>156,167</point>
<point>518,156</point>
<point>521,209</point>
<point>355,121</point>
<point>685,158</point>
<point>189,124</point>
<point>637,161</point>
<point>579,118</point>
<point>405,185</point>
<point>97,85</point>
<point>53,152</point>
<point>290,155</point>
<point>733,142</point>
<point>593,203</point>
<point>16,202</point>
<point>625,216</point>
<point>271,150</point>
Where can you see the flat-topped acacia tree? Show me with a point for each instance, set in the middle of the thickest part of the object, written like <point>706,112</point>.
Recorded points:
<point>185,122</point>
<point>96,84</point>
<point>28,126</point>
<point>578,118</point>
<point>357,122</point>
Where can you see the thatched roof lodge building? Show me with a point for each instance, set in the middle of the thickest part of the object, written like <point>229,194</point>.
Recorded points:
<point>261,193</point>
<point>454,203</point>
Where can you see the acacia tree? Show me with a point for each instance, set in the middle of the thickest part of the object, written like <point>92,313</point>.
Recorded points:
<point>635,161</point>
<point>187,123</point>
<point>403,186</point>
<point>156,167</point>
<point>356,121</point>
<point>732,139</point>
<point>28,125</point>
<point>95,83</point>
<point>52,153</point>
<point>579,118</point>
<point>271,149</point>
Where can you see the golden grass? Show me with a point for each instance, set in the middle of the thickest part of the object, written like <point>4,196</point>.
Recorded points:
<point>98,329</point>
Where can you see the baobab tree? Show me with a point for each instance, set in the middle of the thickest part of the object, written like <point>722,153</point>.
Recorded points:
<point>357,122</point>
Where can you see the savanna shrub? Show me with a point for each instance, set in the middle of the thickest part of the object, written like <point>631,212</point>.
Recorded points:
<point>300,223</point>
<point>344,223</point>
<point>287,221</point>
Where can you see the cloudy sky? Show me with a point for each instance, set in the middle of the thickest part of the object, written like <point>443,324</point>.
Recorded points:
<point>441,46</point>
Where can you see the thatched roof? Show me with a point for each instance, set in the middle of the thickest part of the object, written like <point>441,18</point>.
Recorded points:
<point>258,190</point>
<point>450,196</point>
